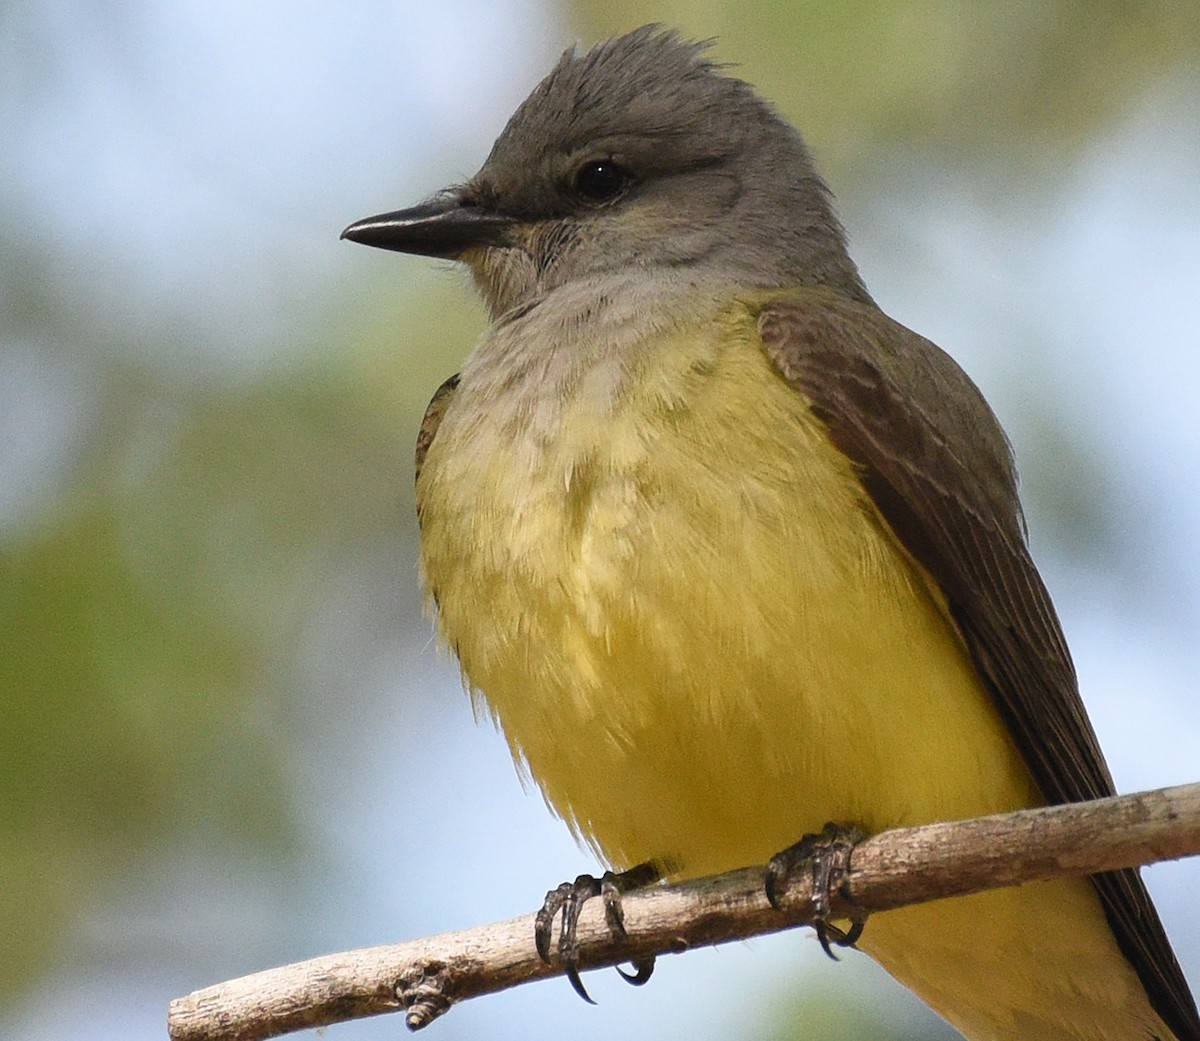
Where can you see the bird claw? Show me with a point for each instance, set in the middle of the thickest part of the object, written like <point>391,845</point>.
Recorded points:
<point>568,899</point>
<point>642,971</point>
<point>827,857</point>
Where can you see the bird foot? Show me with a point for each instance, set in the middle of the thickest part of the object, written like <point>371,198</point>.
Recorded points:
<point>827,856</point>
<point>568,900</point>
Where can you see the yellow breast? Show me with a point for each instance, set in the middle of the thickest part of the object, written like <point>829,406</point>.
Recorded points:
<point>678,602</point>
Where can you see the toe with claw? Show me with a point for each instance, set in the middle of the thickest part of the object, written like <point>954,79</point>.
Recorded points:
<point>567,901</point>
<point>827,856</point>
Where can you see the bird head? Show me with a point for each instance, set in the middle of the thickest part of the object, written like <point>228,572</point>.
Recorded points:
<point>637,155</point>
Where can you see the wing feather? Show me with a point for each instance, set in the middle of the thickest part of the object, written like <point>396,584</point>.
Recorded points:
<point>432,420</point>
<point>939,469</point>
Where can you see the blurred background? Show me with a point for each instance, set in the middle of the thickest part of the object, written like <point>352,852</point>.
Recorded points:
<point>227,737</point>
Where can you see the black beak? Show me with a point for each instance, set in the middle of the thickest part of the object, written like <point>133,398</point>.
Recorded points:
<point>443,227</point>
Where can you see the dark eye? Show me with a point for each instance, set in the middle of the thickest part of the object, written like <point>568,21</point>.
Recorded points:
<point>601,180</point>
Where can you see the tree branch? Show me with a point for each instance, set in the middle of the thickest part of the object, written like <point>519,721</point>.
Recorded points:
<point>895,868</point>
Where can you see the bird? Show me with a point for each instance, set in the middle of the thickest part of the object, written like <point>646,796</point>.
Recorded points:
<point>728,553</point>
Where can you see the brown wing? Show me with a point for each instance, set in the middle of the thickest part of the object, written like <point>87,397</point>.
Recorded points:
<point>939,468</point>
<point>433,419</point>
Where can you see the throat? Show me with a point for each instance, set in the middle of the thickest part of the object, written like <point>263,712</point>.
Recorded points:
<point>586,341</point>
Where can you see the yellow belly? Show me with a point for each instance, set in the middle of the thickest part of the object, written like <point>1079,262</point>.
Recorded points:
<point>683,605</point>
<point>702,641</point>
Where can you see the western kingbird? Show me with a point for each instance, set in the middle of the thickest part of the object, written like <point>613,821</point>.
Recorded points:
<point>729,553</point>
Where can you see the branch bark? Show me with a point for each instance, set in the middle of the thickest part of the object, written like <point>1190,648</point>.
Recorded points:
<point>424,978</point>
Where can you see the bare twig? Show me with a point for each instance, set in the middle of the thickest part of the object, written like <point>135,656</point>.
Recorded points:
<point>892,869</point>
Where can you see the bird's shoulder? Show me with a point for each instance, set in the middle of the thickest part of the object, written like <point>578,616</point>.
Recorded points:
<point>892,392</point>
<point>432,419</point>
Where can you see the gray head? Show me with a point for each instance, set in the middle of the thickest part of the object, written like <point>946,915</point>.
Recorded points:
<point>640,153</point>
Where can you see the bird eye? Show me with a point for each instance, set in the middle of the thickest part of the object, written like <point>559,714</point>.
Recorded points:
<point>601,180</point>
